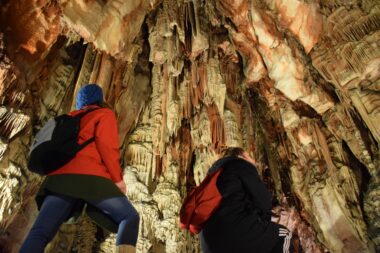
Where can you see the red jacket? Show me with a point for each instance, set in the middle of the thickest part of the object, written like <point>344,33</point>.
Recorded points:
<point>101,157</point>
<point>200,204</point>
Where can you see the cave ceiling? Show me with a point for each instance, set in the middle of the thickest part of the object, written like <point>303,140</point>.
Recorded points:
<point>294,82</point>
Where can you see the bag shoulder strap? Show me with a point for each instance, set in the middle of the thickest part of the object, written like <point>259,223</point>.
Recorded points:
<point>80,115</point>
<point>84,144</point>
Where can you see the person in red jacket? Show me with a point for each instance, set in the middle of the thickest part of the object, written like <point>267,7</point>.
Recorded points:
<point>93,176</point>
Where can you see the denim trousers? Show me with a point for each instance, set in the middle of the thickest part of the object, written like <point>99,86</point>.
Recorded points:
<point>57,208</point>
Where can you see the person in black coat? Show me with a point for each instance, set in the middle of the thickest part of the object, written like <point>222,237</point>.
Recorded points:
<point>242,223</point>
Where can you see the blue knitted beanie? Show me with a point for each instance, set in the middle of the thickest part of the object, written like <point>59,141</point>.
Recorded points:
<point>89,94</point>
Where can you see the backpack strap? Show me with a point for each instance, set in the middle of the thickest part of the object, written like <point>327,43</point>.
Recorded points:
<point>84,144</point>
<point>80,115</point>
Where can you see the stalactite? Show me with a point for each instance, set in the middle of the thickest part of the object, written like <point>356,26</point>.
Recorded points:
<point>183,153</point>
<point>184,94</point>
<point>141,157</point>
<point>236,117</point>
<point>156,114</point>
<point>201,129</point>
<point>174,117</point>
<point>188,24</point>
<point>233,138</point>
<point>140,154</point>
<point>196,86</point>
<point>11,123</point>
<point>195,40</point>
<point>229,67</point>
<point>216,87</point>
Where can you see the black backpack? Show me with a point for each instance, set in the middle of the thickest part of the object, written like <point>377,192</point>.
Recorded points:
<point>56,143</point>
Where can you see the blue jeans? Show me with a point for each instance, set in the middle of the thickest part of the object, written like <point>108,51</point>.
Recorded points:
<point>56,209</point>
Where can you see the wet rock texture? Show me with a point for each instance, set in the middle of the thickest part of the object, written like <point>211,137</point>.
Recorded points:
<point>296,83</point>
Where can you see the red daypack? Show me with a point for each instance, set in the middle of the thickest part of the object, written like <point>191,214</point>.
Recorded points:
<point>200,204</point>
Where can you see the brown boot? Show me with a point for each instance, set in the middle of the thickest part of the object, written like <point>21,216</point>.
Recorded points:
<point>125,249</point>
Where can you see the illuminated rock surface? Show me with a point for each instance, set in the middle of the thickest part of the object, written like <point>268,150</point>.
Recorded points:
<point>296,83</point>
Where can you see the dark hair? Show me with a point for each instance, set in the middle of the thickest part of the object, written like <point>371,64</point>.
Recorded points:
<point>232,151</point>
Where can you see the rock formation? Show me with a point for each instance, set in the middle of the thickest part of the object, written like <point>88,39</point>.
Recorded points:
<point>296,83</point>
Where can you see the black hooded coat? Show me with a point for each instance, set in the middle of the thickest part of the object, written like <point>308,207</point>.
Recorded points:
<point>242,222</point>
